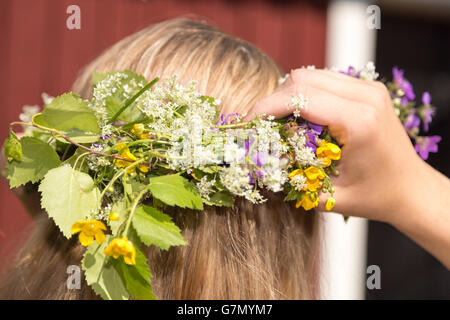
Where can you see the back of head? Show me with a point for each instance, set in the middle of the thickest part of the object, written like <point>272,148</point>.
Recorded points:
<point>225,67</point>
<point>263,251</point>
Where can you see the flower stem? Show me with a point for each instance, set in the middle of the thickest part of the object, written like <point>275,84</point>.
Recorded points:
<point>234,125</point>
<point>59,133</point>
<point>133,209</point>
<point>114,179</point>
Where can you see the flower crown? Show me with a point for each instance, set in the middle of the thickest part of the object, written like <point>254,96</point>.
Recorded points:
<point>111,164</point>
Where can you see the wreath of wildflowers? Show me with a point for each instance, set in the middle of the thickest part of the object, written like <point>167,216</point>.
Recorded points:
<point>108,167</point>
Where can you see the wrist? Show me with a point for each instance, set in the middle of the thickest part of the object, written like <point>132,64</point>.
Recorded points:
<point>423,212</point>
<point>422,198</point>
<point>413,196</point>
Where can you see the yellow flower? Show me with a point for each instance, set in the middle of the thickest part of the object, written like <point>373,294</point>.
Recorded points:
<point>88,230</point>
<point>138,128</point>
<point>329,205</point>
<point>314,173</point>
<point>309,201</point>
<point>314,176</point>
<point>124,152</point>
<point>328,151</point>
<point>138,131</point>
<point>295,172</point>
<point>114,216</point>
<point>122,247</point>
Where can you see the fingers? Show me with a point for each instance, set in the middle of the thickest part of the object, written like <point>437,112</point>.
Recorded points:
<point>329,94</point>
<point>323,108</point>
<point>340,84</point>
<point>274,104</point>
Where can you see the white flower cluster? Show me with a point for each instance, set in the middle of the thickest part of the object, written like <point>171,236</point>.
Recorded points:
<point>94,161</point>
<point>112,87</point>
<point>298,102</point>
<point>27,114</point>
<point>274,174</point>
<point>205,187</point>
<point>236,178</point>
<point>163,104</point>
<point>29,111</point>
<point>103,213</point>
<point>303,154</point>
<point>299,182</point>
<point>368,72</point>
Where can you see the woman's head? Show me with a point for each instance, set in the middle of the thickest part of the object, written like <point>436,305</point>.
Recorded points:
<point>225,67</point>
<point>249,251</point>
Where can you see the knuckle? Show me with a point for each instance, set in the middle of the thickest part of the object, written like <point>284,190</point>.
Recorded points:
<point>369,120</point>
<point>298,78</point>
<point>381,93</point>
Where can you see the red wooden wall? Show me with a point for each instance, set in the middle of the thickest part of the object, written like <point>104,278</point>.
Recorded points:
<point>39,54</point>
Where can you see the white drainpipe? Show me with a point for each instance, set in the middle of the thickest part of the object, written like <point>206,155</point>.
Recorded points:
<point>349,42</point>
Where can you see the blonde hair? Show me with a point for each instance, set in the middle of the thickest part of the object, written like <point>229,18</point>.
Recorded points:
<point>225,67</point>
<point>264,251</point>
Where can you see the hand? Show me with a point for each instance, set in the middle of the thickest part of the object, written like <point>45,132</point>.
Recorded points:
<point>378,159</point>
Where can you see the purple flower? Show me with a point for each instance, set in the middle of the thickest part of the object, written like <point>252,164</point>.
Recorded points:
<point>247,145</point>
<point>258,158</point>
<point>105,137</point>
<point>403,84</point>
<point>424,145</point>
<point>258,173</point>
<point>426,98</point>
<point>291,116</point>
<point>413,121</point>
<point>221,119</point>
<point>225,118</point>
<point>428,115</point>
<point>404,101</point>
<point>311,141</point>
<point>428,111</point>
<point>317,128</point>
<point>251,179</point>
<point>351,71</point>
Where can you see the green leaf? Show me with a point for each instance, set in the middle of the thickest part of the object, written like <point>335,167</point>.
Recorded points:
<point>74,134</point>
<point>98,76</point>
<point>68,196</point>
<point>12,147</point>
<point>175,190</point>
<point>69,112</point>
<point>221,198</point>
<point>79,136</point>
<point>131,100</point>
<point>36,160</point>
<point>294,195</point>
<point>154,227</point>
<point>143,269</point>
<point>210,169</point>
<point>101,274</point>
<point>137,277</point>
